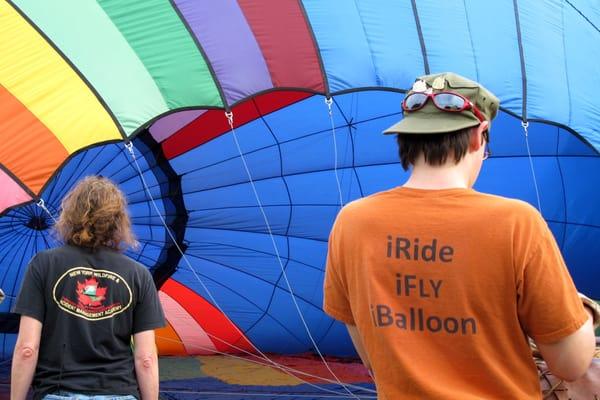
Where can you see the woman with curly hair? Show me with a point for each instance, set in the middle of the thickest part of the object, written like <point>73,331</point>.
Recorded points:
<point>81,304</point>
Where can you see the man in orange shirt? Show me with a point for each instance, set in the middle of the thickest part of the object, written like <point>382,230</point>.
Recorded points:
<point>440,286</point>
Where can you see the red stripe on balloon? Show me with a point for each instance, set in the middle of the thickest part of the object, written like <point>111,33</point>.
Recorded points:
<point>213,123</point>
<point>213,321</point>
<point>286,42</point>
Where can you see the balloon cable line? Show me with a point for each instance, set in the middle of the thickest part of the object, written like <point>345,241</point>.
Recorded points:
<point>525,125</point>
<point>41,204</point>
<point>289,370</point>
<point>229,116</point>
<point>329,102</point>
<point>129,146</point>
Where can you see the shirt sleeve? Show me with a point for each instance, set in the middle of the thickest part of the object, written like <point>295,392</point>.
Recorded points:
<point>148,313</point>
<point>31,298</point>
<point>335,289</point>
<point>548,305</point>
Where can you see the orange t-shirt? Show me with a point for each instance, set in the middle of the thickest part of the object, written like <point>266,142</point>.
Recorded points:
<point>444,286</point>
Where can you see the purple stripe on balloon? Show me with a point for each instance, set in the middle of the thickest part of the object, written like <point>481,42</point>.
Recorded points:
<point>167,126</point>
<point>229,44</point>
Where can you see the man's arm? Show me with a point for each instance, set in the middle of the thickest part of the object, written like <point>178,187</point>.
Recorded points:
<point>570,357</point>
<point>25,357</point>
<point>550,309</point>
<point>146,364</point>
<point>359,346</point>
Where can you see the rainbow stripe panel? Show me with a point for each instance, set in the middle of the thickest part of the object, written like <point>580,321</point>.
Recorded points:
<point>195,326</point>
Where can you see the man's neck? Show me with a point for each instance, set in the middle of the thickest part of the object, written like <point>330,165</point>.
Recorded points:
<point>447,176</point>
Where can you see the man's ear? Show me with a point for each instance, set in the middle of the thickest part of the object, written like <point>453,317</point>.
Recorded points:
<point>477,140</point>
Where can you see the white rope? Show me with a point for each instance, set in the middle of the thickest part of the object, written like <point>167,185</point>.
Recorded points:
<point>129,147</point>
<point>329,102</point>
<point>291,371</point>
<point>229,116</point>
<point>525,126</point>
<point>41,204</point>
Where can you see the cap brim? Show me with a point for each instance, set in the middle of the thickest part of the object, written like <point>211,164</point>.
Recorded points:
<point>429,122</point>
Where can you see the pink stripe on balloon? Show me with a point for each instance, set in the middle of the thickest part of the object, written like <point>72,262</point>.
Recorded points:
<point>12,193</point>
<point>194,338</point>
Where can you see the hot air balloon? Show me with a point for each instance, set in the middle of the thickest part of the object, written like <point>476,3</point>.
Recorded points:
<point>238,129</point>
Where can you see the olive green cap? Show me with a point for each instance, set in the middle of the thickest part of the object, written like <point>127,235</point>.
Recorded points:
<point>430,119</point>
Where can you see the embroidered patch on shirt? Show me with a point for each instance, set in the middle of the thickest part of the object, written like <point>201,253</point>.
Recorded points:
<point>92,294</point>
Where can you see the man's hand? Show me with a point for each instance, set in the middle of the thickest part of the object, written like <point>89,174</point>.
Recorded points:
<point>25,357</point>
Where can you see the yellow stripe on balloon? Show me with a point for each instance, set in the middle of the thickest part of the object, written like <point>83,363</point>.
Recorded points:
<point>38,76</point>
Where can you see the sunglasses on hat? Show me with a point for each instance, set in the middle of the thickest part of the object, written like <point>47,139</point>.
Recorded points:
<point>445,101</point>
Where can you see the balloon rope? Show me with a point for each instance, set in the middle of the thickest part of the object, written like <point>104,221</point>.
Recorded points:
<point>129,147</point>
<point>289,370</point>
<point>525,126</point>
<point>229,116</point>
<point>329,102</point>
<point>41,204</point>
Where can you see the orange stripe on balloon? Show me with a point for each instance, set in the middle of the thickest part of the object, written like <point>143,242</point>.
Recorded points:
<point>28,149</point>
<point>168,342</point>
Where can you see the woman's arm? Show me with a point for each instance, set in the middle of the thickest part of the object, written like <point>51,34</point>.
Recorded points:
<point>25,357</point>
<point>146,364</point>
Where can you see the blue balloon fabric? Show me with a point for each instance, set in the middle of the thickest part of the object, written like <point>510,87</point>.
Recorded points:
<point>291,156</point>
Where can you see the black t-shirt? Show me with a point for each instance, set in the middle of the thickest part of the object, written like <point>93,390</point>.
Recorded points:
<point>90,303</point>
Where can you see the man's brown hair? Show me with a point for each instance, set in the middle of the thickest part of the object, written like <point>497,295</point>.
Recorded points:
<point>94,214</point>
<point>435,147</point>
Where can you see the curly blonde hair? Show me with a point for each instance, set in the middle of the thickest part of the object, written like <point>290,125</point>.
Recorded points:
<point>94,214</point>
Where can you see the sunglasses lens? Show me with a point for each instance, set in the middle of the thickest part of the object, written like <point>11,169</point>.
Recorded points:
<point>449,101</point>
<point>414,101</point>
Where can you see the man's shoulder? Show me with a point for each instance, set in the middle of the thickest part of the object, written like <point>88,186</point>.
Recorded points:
<point>506,208</point>
<point>509,207</point>
<point>505,214</point>
<point>367,202</point>
<point>487,204</point>
<point>470,196</point>
<point>363,206</point>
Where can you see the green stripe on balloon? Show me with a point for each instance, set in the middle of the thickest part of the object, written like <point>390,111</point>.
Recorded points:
<point>90,40</point>
<point>163,44</point>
